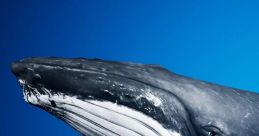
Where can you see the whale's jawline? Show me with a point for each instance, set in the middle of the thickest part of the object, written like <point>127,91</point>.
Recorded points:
<point>93,117</point>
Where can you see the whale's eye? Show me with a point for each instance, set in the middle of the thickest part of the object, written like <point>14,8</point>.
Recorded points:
<point>211,131</point>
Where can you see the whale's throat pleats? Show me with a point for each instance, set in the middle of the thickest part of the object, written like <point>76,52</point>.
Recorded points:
<point>104,118</point>
<point>93,117</point>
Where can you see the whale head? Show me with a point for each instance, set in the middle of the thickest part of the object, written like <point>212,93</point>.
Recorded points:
<point>99,97</point>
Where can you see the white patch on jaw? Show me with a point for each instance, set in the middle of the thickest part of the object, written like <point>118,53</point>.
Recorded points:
<point>92,117</point>
<point>247,115</point>
<point>156,101</point>
<point>21,81</point>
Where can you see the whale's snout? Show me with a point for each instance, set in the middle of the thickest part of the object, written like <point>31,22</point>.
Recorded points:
<point>25,71</point>
<point>18,68</point>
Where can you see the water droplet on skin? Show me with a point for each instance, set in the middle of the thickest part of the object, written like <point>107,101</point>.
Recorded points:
<point>121,85</point>
<point>37,76</point>
<point>100,79</point>
<point>107,91</point>
<point>81,76</point>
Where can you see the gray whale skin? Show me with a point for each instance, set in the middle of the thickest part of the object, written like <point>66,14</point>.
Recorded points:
<point>98,97</point>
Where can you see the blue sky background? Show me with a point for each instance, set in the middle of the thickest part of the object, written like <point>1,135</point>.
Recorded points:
<point>216,41</point>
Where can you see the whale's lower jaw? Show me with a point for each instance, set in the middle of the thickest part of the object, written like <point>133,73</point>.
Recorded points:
<point>93,117</point>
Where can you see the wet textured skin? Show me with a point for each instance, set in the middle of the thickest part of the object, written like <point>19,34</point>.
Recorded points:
<point>188,106</point>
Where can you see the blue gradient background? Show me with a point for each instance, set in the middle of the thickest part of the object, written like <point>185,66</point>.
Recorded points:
<point>216,41</point>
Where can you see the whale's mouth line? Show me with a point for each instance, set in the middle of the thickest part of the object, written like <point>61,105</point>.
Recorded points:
<point>93,117</point>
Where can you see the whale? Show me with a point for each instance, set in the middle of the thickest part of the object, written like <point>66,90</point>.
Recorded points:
<point>109,98</point>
